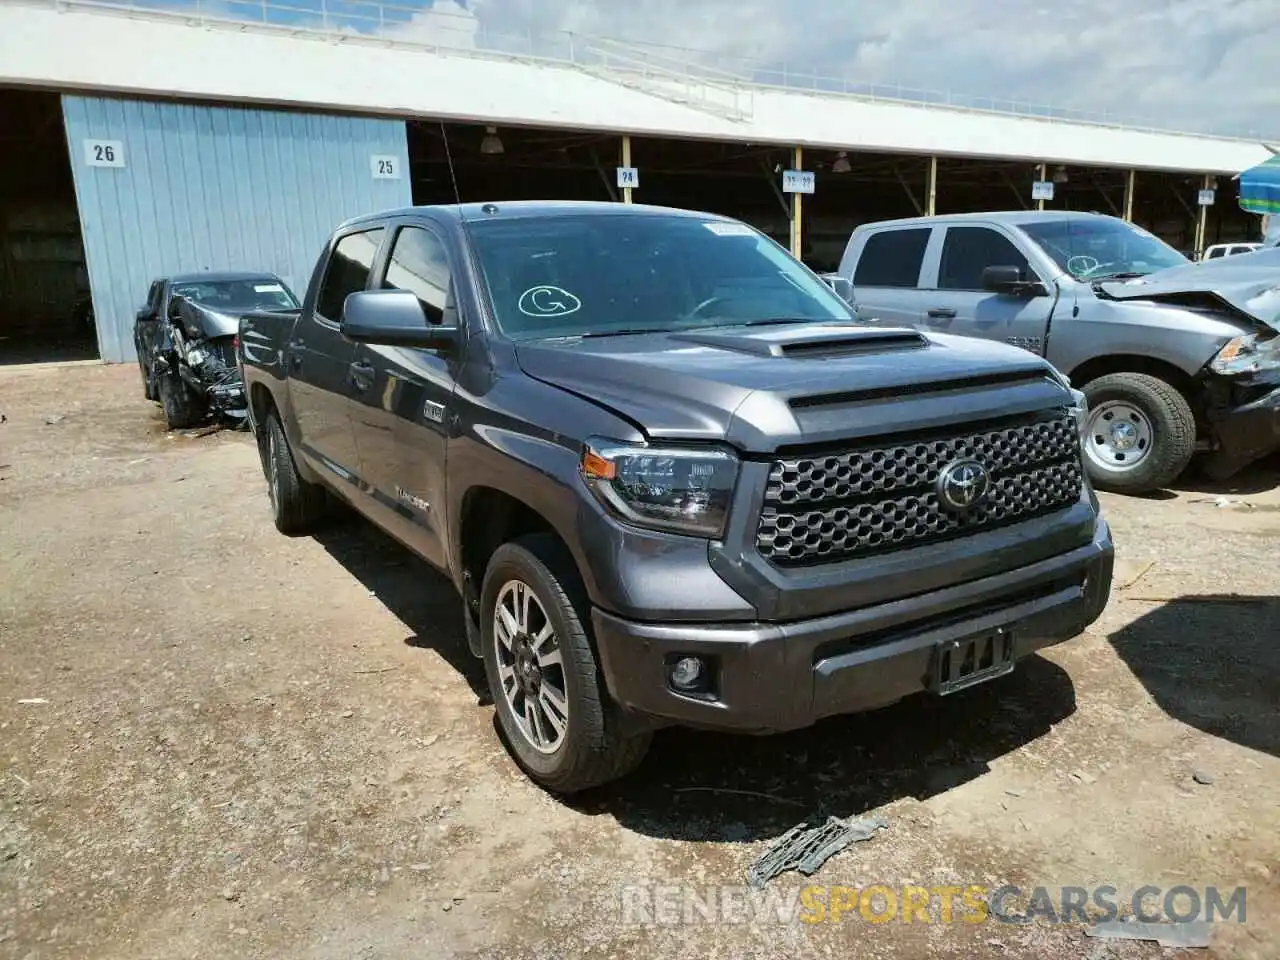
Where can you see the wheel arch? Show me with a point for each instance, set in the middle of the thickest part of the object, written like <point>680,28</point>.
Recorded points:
<point>1096,367</point>
<point>489,516</point>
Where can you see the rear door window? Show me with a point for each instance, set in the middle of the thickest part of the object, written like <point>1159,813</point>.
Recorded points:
<point>348,271</point>
<point>892,258</point>
<point>967,251</point>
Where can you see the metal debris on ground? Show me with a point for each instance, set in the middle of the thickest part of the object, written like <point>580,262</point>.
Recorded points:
<point>1226,598</point>
<point>807,848</point>
<point>1137,576</point>
<point>1191,934</point>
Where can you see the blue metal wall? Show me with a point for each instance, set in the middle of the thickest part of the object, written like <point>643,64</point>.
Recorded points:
<point>216,188</point>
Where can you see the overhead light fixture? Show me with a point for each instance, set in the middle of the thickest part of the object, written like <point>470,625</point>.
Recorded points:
<point>491,145</point>
<point>842,163</point>
<point>1060,174</point>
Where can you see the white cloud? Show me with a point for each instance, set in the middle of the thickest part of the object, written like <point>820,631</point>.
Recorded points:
<point>1191,64</point>
<point>446,23</point>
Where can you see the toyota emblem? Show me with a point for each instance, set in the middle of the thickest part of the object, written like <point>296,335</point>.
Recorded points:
<point>963,484</point>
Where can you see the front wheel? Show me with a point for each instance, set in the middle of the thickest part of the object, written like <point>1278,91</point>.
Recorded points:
<point>542,671</point>
<point>1141,433</point>
<point>182,406</point>
<point>297,507</point>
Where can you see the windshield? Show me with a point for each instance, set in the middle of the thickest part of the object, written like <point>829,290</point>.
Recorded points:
<point>596,275</point>
<point>255,293</point>
<point>1092,249</point>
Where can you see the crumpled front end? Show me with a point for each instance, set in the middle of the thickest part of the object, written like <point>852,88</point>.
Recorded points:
<point>205,359</point>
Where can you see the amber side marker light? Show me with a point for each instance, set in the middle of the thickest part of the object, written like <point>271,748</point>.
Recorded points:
<point>596,467</point>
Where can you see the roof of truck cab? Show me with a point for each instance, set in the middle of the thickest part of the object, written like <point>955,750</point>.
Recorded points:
<point>1012,217</point>
<point>534,209</point>
<point>222,276</point>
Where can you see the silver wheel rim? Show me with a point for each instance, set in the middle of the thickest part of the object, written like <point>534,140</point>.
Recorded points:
<point>1120,436</point>
<point>273,470</point>
<point>530,666</point>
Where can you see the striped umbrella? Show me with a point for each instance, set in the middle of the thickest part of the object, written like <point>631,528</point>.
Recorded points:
<point>1260,187</point>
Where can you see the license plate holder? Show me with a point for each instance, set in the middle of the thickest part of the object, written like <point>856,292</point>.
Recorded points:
<point>968,661</point>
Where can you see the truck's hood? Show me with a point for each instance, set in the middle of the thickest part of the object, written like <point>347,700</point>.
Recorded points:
<point>214,323</point>
<point>1247,283</point>
<point>767,386</point>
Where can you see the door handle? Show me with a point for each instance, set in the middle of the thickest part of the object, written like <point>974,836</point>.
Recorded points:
<point>361,375</point>
<point>942,313</point>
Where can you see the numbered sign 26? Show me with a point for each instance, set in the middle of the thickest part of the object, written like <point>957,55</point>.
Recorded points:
<point>103,153</point>
<point>385,167</point>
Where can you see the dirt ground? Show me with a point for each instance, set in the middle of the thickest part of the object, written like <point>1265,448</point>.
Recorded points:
<point>216,741</point>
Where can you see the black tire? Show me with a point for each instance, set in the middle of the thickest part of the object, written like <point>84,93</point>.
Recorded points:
<point>1173,431</point>
<point>182,407</point>
<point>148,381</point>
<point>593,750</point>
<point>297,507</point>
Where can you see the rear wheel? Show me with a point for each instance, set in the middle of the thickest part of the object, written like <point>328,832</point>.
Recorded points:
<point>182,407</point>
<point>542,672</point>
<point>1141,433</point>
<point>297,506</point>
<point>148,379</point>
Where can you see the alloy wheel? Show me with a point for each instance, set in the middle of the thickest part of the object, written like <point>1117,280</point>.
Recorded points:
<point>530,666</point>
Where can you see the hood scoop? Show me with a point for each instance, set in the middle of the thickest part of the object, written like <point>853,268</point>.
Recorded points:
<point>808,342</point>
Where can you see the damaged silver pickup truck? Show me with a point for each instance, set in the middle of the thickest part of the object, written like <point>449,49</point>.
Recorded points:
<point>1175,358</point>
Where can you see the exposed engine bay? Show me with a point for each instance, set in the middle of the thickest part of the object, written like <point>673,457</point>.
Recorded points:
<point>198,356</point>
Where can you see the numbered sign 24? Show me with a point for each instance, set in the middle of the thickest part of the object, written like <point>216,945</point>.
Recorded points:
<point>103,153</point>
<point>385,167</point>
<point>628,177</point>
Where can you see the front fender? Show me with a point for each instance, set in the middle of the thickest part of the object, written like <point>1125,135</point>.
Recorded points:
<point>523,438</point>
<point>1183,338</point>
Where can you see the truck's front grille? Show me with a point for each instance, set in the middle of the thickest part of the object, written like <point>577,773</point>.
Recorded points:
<point>833,506</point>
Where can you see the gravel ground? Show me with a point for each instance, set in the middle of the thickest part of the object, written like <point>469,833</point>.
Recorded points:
<point>245,745</point>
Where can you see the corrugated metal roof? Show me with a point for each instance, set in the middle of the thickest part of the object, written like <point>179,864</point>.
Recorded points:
<point>165,56</point>
<point>216,188</point>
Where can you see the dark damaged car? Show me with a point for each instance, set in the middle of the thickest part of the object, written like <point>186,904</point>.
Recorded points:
<point>186,335</point>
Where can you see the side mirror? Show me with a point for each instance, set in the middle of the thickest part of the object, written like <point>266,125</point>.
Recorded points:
<point>842,286</point>
<point>392,318</point>
<point>144,314</point>
<point>1010,279</point>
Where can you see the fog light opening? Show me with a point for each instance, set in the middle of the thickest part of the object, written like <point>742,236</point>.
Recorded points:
<point>689,674</point>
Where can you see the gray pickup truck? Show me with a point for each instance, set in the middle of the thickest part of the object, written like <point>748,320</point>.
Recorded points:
<point>672,478</point>
<point>1174,357</point>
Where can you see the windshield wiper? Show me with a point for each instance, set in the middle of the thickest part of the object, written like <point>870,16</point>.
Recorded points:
<point>771,321</point>
<point>1121,275</point>
<point>624,332</point>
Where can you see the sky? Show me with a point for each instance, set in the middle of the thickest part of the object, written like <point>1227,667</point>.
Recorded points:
<point>1206,65</point>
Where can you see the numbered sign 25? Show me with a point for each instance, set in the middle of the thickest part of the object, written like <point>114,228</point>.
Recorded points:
<point>385,167</point>
<point>103,153</point>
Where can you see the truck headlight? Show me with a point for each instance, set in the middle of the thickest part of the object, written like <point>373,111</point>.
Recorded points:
<point>1246,354</point>
<point>1080,410</point>
<point>681,489</point>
